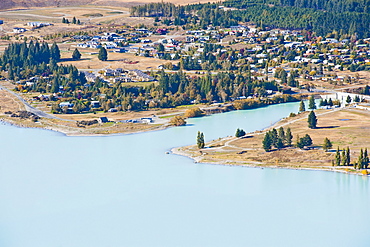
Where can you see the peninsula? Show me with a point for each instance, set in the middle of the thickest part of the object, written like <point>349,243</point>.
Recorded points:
<point>344,127</point>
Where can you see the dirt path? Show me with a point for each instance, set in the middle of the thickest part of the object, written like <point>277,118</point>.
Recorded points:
<point>227,143</point>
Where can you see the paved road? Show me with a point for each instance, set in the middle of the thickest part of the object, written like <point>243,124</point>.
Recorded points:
<point>33,109</point>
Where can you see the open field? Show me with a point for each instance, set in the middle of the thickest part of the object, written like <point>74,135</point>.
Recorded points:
<point>14,4</point>
<point>344,127</point>
<point>89,60</point>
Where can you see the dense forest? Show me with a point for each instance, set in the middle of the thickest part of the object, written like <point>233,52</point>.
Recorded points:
<point>345,16</point>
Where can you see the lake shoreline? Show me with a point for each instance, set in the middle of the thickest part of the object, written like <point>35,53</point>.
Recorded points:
<point>221,152</point>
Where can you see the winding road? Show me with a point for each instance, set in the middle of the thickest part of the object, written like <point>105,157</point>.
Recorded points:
<point>32,109</point>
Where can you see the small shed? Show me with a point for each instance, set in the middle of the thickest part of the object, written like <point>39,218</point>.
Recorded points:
<point>103,120</point>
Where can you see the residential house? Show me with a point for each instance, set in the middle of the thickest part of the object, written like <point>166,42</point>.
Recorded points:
<point>19,30</point>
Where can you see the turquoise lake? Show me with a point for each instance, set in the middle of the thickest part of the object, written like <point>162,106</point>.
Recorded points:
<point>125,191</point>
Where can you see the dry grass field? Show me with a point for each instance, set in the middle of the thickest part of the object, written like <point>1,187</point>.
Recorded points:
<point>16,4</point>
<point>345,128</point>
<point>89,60</point>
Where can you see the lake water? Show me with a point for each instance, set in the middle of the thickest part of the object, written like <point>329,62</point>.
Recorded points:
<point>124,191</point>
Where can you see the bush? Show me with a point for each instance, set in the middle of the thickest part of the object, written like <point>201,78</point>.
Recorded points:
<point>177,121</point>
<point>194,112</point>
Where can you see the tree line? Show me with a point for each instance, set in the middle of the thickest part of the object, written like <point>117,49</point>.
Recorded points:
<point>322,17</point>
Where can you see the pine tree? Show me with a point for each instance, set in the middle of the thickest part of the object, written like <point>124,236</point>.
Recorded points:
<point>288,137</point>
<point>307,141</point>
<point>103,55</point>
<point>239,133</point>
<point>321,102</point>
<point>302,107</point>
<point>348,157</point>
<point>55,52</point>
<point>327,144</point>
<point>291,81</point>
<point>312,120</point>
<point>64,20</point>
<point>281,133</point>
<point>343,158</point>
<point>76,55</point>
<point>330,102</point>
<point>279,144</point>
<point>311,103</point>
<point>200,140</point>
<point>337,158</point>
<point>349,99</point>
<point>274,136</point>
<point>74,21</point>
<point>366,159</point>
<point>267,142</point>
<point>55,85</point>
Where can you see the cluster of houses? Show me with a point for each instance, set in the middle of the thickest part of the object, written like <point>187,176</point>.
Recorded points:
<point>119,75</point>
<point>266,45</point>
<point>32,25</point>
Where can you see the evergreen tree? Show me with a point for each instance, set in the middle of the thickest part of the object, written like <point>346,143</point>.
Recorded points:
<point>327,144</point>
<point>344,158</point>
<point>267,142</point>
<point>357,99</point>
<point>78,22</point>
<point>281,133</point>
<point>304,141</point>
<point>76,55</point>
<point>312,120</point>
<point>349,99</point>
<point>330,102</point>
<point>337,158</point>
<point>200,140</point>
<point>103,55</point>
<point>321,102</point>
<point>307,141</point>
<point>274,137</point>
<point>74,21</point>
<point>55,85</point>
<point>64,20</point>
<point>55,52</point>
<point>239,133</point>
<point>302,107</point>
<point>279,144</point>
<point>366,159</point>
<point>348,156</point>
<point>311,103</point>
<point>291,81</point>
<point>288,137</point>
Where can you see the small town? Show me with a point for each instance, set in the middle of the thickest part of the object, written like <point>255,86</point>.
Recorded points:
<point>184,123</point>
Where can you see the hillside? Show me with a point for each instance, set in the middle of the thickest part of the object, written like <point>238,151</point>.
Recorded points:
<point>11,4</point>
